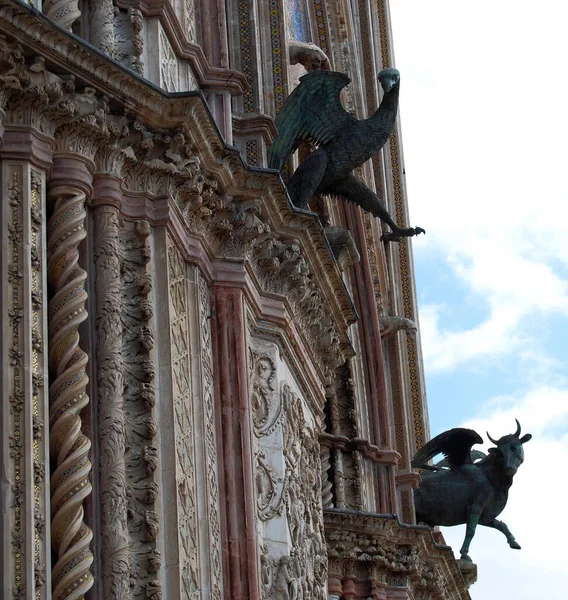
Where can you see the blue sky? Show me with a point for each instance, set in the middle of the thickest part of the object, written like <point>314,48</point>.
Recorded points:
<point>484,109</point>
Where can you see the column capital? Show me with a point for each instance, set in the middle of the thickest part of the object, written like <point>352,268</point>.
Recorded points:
<point>71,170</point>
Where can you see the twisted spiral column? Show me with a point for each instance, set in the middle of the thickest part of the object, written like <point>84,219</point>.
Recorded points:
<point>69,447</point>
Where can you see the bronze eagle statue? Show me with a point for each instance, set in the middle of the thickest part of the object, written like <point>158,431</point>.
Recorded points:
<point>313,112</point>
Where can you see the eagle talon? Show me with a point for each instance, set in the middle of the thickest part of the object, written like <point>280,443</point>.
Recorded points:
<point>396,236</point>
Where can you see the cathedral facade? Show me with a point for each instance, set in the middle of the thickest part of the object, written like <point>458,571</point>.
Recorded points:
<point>207,393</point>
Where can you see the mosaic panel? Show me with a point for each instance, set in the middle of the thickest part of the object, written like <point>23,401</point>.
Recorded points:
<point>246,55</point>
<point>416,398</point>
<point>321,26</point>
<point>276,45</point>
<point>252,153</point>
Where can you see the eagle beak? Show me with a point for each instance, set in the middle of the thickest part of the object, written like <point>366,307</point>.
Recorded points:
<point>388,83</point>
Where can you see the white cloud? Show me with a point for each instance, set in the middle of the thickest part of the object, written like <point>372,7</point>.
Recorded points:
<point>535,512</point>
<point>485,124</point>
<point>484,130</point>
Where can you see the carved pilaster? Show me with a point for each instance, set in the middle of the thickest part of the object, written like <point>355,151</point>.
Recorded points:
<point>141,451</point>
<point>110,378</point>
<point>24,315</point>
<point>70,483</point>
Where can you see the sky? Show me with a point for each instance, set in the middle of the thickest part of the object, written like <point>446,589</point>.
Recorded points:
<point>484,112</point>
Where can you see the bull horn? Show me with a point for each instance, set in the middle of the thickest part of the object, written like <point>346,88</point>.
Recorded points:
<point>518,432</point>
<point>491,439</point>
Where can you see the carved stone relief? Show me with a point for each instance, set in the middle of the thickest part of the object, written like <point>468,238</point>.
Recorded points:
<point>128,38</point>
<point>169,70</point>
<point>13,225</point>
<point>141,456</point>
<point>110,378</point>
<point>265,400</point>
<point>189,19</point>
<point>184,421</point>
<point>288,481</point>
<point>214,516</point>
<point>63,12</point>
<point>303,504</point>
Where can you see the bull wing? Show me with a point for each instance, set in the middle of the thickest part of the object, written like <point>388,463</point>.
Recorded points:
<point>312,112</point>
<point>454,444</point>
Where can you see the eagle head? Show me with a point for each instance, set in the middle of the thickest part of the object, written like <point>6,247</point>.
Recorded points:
<point>388,78</point>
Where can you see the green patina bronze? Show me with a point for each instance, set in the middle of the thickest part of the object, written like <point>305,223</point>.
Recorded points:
<point>313,112</point>
<point>468,486</point>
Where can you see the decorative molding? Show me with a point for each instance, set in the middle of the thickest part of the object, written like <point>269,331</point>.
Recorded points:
<point>14,373</point>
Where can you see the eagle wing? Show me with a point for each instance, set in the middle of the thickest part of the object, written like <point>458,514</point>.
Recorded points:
<point>454,444</point>
<point>312,112</point>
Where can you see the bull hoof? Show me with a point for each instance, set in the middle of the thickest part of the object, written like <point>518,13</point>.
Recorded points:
<point>515,545</point>
<point>465,557</point>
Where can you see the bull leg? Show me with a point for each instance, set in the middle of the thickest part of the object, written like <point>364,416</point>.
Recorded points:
<point>502,527</point>
<point>473,515</point>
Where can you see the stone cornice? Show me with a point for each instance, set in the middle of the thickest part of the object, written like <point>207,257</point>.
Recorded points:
<point>391,551</point>
<point>207,75</point>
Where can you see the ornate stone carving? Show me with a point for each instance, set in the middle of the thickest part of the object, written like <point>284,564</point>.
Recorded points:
<point>390,325</point>
<point>303,502</point>
<point>270,489</point>
<point>211,455</point>
<point>184,421</point>
<point>141,454</point>
<point>63,12</point>
<point>380,549</point>
<point>110,378</point>
<point>14,374</point>
<point>189,19</point>
<point>70,448</point>
<point>101,26</point>
<point>279,577</point>
<point>169,69</point>
<point>128,39</point>
<point>265,399</point>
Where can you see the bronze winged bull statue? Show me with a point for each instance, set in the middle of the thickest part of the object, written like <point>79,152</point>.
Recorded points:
<point>458,490</point>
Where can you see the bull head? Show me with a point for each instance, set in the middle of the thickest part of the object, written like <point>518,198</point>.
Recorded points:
<point>511,449</point>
